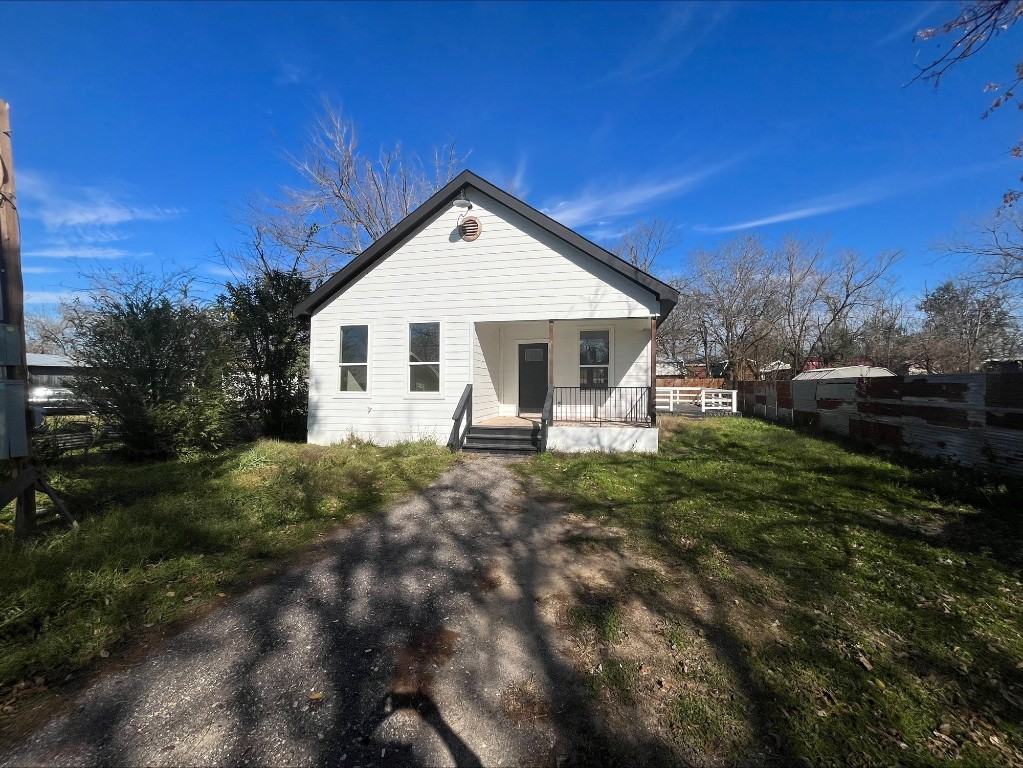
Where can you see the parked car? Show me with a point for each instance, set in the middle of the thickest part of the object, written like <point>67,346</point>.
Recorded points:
<point>54,398</point>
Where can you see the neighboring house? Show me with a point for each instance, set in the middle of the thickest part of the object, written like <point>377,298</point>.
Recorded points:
<point>479,300</point>
<point>779,369</point>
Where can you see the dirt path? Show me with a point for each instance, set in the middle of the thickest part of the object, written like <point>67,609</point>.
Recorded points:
<point>419,640</point>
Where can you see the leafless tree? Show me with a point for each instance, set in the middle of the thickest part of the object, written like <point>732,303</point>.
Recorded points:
<point>348,199</point>
<point>884,336</point>
<point>734,288</point>
<point>48,332</point>
<point>683,337</point>
<point>977,24</point>
<point>645,241</point>
<point>965,322</point>
<point>994,249</point>
<point>750,303</point>
<point>822,294</point>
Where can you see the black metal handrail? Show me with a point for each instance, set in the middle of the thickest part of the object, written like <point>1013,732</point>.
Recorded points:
<point>463,411</point>
<point>546,417</point>
<point>618,405</point>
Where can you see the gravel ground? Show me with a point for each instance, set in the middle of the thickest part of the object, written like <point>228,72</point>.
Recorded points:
<point>403,646</point>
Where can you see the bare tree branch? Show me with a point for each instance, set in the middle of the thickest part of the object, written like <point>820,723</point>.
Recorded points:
<point>348,200</point>
<point>976,25</point>
<point>646,241</point>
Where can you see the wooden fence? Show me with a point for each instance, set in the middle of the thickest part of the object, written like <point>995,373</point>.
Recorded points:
<point>682,381</point>
<point>975,419</point>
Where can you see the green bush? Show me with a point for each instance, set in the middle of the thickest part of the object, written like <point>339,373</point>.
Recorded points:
<point>204,422</point>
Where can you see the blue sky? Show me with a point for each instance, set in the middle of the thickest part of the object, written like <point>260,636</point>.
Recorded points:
<point>141,128</point>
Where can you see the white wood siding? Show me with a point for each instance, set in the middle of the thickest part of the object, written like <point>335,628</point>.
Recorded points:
<point>486,371</point>
<point>514,271</point>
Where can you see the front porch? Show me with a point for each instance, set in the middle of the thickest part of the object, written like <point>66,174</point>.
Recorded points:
<point>578,385</point>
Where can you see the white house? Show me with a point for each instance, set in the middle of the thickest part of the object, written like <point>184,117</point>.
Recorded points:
<point>478,319</point>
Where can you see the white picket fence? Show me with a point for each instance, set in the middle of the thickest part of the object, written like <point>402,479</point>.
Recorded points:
<point>680,398</point>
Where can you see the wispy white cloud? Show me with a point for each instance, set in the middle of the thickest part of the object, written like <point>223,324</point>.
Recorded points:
<point>907,30</point>
<point>607,204</point>
<point>289,73</point>
<point>82,250</point>
<point>854,197</point>
<point>684,28</point>
<point>519,179</point>
<point>861,194</point>
<point>82,221</point>
<point>604,231</point>
<point>40,270</point>
<point>50,297</point>
<point>221,271</point>
<point>80,206</point>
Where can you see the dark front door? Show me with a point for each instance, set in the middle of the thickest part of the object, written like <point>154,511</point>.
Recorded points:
<point>532,377</point>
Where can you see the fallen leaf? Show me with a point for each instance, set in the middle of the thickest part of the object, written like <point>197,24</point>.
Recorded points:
<point>863,660</point>
<point>189,599</point>
<point>221,594</point>
<point>104,653</point>
<point>318,696</point>
<point>170,594</point>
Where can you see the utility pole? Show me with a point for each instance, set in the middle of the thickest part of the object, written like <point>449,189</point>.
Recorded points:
<point>16,426</point>
<point>13,312</point>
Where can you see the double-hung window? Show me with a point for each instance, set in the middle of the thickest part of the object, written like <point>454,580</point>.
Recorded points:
<point>594,359</point>
<point>354,358</point>
<point>424,357</point>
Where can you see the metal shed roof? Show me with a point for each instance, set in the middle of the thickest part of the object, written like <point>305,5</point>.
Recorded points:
<point>845,372</point>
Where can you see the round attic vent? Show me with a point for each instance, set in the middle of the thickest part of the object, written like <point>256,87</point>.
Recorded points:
<point>470,228</point>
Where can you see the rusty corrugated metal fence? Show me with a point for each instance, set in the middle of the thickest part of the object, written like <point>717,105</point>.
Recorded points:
<point>975,419</point>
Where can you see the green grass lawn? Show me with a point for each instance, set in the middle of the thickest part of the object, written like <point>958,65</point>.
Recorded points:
<point>824,605</point>
<point>160,540</point>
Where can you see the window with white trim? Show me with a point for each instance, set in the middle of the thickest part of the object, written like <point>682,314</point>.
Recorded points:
<point>353,358</point>
<point>424,357</point>
<point>594,359</point>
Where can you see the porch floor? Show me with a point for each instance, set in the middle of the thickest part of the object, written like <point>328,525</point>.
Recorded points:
<point>509,421</point>
<point>520,421</point>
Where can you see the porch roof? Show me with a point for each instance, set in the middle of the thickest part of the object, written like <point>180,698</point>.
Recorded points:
<point>667,296</point>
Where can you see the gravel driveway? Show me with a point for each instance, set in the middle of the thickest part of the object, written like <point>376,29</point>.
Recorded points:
<point>406,645</point>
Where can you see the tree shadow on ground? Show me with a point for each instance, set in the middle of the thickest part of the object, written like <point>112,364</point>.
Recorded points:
<point>339,661</point>
<point>851,570</point>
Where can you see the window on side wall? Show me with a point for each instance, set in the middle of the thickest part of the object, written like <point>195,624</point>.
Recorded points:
<point>354,358</point>
<point>424,357</point>
<point>594,359</point>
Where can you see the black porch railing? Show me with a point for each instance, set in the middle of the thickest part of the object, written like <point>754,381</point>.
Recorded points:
<point>611,405</point>
<point>462,420</point>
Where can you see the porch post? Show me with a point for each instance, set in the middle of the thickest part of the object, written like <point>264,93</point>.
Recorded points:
<point>550,354</point>
<point>653,370</point>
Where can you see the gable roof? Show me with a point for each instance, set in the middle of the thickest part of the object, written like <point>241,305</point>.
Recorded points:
<point>666,295</point>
